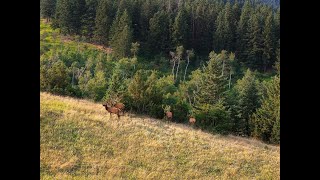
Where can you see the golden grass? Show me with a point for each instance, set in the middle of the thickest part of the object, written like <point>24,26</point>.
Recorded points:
<point>80,141</point>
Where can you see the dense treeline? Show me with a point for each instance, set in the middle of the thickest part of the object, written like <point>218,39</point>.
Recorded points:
<point>218,62</point>
<point>248,28</point>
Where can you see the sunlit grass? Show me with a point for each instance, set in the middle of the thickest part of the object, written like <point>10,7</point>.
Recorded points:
<point>79,140</point>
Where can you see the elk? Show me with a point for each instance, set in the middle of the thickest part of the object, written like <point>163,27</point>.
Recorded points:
<point>115,103</point>
<point>120,106</point>
<point>168,113</point>
<point>112,110</point>
<point>192,120</point>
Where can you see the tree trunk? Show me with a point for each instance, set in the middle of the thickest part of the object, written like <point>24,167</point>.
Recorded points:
<point>185,72</point>
<point>230,81</point>
<point>222,67</point>
<point>177,69</point>
<point>174,64</point>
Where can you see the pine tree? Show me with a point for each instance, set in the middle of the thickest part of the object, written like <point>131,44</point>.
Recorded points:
<point>159,37</point>
<point>224,35</point>
<point>268,44</point>
<point>121,20</point>
<point>213,84</point>
<point>219,43</point>
<point>266,120</point>
<point>69,14</point>
<point>121,42</point>
<point>47,8</point>
<point>243,34</point>
<point>121,35</point>
<point>146,13</point>
<point>236,13</point>
<point>255,43</point>
<point>103,21</point>
<point>248,101</point>
<point>180,33</point>
<point>88,19</point>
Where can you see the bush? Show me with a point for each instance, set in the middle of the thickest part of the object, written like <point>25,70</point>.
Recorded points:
<point>214,118</point>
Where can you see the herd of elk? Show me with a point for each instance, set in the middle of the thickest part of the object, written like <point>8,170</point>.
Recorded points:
<point>116,108</point>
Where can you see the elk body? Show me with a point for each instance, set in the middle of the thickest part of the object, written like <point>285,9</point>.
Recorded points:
<point>120,106</point>
<point>112,110</point>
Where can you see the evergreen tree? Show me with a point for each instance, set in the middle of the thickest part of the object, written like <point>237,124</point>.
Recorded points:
<point>103,21</point>
<point>159,37</point>
<point>121,36</point>
<point>180,33</point>
<point>69,15</point>
<point>121,20</point>
<point>248,101</point>
<point>255,43</point>
<point>223,36</point>
<point>88,19</point>
<point>243,34</point>
<point>266,120</point>
<point>47,8</point>
<point>213,84</point>
<point>268,44</point>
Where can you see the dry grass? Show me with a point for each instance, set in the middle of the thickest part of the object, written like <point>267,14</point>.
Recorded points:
<point>80,141</point>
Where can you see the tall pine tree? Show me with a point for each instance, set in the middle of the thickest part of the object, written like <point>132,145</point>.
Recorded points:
<point>121,38</point>
<point>103,21</point>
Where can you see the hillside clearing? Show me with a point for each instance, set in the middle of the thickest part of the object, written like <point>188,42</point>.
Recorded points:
<point>79,140</point>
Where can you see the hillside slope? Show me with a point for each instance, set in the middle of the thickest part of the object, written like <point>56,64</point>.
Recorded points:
<point>79,140</point>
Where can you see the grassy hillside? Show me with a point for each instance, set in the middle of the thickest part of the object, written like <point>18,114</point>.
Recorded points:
<point>79,140</point>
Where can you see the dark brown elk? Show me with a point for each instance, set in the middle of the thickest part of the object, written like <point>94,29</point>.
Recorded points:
<point>192,120</point>
<point>112,110</point>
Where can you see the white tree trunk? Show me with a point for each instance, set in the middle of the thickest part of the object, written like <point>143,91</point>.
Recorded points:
<point>177,69</point>
<point>185,72</point>
<point>174,64</point>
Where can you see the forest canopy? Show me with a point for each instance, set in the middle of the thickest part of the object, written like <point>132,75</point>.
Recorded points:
<point>217,61</point>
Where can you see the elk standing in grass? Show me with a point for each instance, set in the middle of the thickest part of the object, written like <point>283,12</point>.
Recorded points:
<point>115,102</point>
<point>120,106</point>
<point>112,110</point>
<point>192,120</point>
<point>168,113</point>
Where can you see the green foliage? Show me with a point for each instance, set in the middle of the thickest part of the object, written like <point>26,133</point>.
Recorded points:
<point>213,118</point>
<point>47,8</point>
<point>180,34</point>
<point>53,76</point>
<point>266,120</point>
<point>140,73</point>
<point>159,38</point>
<point>121,36</point>
<point>247,96</point>
<point>69,14</point>
<point>103,21</point>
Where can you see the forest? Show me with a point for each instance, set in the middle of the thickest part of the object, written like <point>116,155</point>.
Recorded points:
<point>215,60</point>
